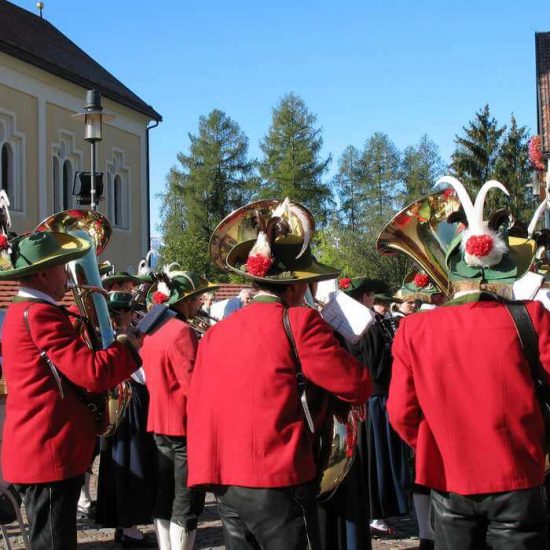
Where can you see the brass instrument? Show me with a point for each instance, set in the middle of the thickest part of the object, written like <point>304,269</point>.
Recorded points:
<point>422,232</point>
<point>201,322</point>
<point>90,298</point>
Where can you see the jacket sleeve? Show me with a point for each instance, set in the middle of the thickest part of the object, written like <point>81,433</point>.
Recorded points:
<point>96,371</point>
<point>403,408</point>
<point>182,355</point>
<point>541,321</point>
<point>325,362</point>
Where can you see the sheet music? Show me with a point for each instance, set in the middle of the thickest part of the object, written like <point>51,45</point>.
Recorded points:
<point>347,316</point>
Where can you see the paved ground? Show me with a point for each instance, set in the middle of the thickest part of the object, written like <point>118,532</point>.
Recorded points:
<point>209,536</point>
<point>91,537</point>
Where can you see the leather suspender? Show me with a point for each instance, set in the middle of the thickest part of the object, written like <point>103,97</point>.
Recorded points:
<point>530,344</point>
<point>300,378</point>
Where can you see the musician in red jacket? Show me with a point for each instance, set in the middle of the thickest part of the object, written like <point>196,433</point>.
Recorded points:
<point>462,394</point>
<point>248,438</point>
<point>49,432</point>
<point>168,359</point>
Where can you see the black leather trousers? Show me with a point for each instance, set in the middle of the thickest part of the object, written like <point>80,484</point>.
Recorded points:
<point>271,519</point>
<point>514,520</point>
<point>51,508</point>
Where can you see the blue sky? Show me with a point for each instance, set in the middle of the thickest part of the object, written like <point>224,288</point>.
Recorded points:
<point>401,67</point>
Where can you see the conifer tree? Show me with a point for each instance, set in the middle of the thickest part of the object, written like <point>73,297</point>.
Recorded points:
<point>474,160</point>
<point>421,166</point>
<point>514,171</point>
<point>213,179</point>
<point>348,188</point>
<point>292,166</point>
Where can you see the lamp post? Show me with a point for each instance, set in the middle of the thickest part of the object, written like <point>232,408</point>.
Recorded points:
<point>93,116</point>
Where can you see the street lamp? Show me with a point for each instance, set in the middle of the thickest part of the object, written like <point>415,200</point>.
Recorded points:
<point>93,116</point>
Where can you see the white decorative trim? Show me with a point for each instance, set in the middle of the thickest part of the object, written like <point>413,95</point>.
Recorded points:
<point>117,167</point>
<point>43,180</point>
<point>16,140</point>
<point>145,244</point>
<point>64,150</point>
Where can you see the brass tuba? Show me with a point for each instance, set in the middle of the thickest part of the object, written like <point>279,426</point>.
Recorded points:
<point>422,232</point>
<point>90,299</point>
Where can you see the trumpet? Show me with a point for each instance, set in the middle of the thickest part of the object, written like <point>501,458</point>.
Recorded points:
<point>202,322</point>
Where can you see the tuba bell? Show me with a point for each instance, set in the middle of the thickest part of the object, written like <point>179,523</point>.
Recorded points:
<point>90,299</point>
<point>421,231</point>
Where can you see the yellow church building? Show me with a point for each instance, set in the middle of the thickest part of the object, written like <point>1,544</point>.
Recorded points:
<point>44,77</point>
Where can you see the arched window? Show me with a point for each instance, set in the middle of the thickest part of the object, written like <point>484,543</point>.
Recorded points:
<point>118,191</point>
<point>57,194</point>
<point>7,183</point>
<point>118,197</point>
<point>67,187</point>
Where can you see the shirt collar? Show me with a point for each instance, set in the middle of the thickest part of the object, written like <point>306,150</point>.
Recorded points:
<point>33,294</point>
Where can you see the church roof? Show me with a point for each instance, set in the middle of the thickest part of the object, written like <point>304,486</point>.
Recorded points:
<point>34,40</point>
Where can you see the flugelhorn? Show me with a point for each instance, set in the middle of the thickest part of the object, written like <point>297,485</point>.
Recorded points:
<point>90,297</point>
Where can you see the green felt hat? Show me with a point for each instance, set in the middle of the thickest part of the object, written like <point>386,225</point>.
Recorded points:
<point>179,285</point>
<point>514,264</point>
<point>119,277</point>
<point>37,251</point>
<point>105,268</point>
<point>286,267</point>
<point>120,300</point>
<point>417,286</point>
<point>363,284</point>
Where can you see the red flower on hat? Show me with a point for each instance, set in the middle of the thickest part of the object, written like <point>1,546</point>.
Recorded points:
<point>4,242</point>
<point>344,283</point>
<point>421,280</point>
<point>258,266</point>
<point>159,297</point>
<point>479,245</point>
<point>448,193</point>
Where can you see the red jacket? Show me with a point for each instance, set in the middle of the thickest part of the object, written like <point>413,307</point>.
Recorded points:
<point>462,395</point>
<point>168,357</point>
<point>47,438</point>
<point>246,425</point>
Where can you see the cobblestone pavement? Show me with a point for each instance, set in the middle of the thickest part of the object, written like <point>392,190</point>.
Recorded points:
<point>209,536</point>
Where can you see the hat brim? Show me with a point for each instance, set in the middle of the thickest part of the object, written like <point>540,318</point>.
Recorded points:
<point>518,260</point>
<point>71,248</point>
<point>177,296</point>
<point>387,298</point>
<point>114,279</point>
<point>316,271</point>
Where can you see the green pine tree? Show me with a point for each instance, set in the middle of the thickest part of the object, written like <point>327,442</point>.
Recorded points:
<point>213,179</point>
<point>292,166</point>
<point>475,157</point>
<point>514,170</point>
<point>380,161</point>
<point>421,166</point>
<point>347,185</point>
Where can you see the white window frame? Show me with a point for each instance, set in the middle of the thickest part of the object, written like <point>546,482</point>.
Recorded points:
<point>62,151</point>
<point>15,140</point>
<point>117,170</point>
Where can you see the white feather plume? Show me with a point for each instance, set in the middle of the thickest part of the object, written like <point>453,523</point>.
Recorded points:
<point>163,288</point>
<point>261,247</point>
<point>534,220</point>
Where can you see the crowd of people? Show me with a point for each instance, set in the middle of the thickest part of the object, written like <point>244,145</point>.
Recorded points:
<point>230,396</point>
